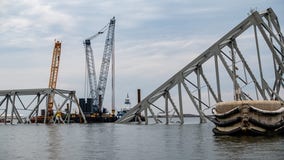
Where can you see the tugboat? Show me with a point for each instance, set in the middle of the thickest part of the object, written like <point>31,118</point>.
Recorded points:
<point>127,107</point>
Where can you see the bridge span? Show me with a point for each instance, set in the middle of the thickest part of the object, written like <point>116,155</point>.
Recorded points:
<point>245,64</point>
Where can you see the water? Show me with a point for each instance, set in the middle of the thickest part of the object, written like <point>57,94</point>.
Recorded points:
<point>131,142</point>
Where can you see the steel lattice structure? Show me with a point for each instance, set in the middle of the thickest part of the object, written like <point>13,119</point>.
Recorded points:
<point>245,64</point>
<point>97,89</point>
<point>108,52</point>
<point>25,104</point>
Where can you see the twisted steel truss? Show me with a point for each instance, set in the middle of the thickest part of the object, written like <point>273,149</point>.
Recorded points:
<point>245,64</point>
<point>20,106</point>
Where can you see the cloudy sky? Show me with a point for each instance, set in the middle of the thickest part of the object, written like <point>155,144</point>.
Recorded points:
<point>153,39</point>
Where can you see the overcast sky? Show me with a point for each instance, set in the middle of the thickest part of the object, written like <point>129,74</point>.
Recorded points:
<point>153,39</point>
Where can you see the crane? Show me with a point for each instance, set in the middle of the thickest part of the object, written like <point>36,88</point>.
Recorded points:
<point>97,89</point>
<point>53,75</point>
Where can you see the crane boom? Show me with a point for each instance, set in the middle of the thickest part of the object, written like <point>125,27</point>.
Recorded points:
<point>55,65</point>
<point>97,89</point>
<point>91,71</point>
<point>108,51</point>
<point>91,68</point>
<point>53,74</point>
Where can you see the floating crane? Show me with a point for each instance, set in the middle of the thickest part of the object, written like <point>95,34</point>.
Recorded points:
<point>97,89</point>
<point>53,76</point>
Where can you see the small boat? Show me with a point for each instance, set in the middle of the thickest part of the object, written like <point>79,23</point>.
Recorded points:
<point>249,118</point>
<point>122,112</point>
<point>127,107</point>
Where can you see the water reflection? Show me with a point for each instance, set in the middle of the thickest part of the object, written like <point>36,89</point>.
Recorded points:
<point>54,146</point>
<point>249,147</point>
<point>139,142</point>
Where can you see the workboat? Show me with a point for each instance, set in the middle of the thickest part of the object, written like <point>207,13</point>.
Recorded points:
<point>122,112</point>
<point>127,107</point>
<point>249,118</point>
<point>136,118</point>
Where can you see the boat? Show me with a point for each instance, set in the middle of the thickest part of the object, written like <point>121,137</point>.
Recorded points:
<point>122,112</point>
<point>247,117</point>
<point>94,116</point>
<point>127,107</point>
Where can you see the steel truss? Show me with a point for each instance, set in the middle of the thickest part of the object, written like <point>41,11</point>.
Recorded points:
<point>24,104</point>
<point>245,64</point>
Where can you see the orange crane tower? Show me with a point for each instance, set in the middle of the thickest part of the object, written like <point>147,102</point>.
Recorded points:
<point>53,75</point>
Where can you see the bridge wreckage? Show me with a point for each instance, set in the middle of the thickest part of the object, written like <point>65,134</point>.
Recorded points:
<point>240,77</point>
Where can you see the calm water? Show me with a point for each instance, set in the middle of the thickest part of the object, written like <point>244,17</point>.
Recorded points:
<point>131,142</point>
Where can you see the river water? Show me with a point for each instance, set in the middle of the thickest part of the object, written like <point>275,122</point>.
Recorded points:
<point>131,142</point>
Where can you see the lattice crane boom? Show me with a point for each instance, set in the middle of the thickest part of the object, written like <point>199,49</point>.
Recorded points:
<point>97,89</point>
<point>54,73</point>
<point>55,65</point>
<point>108,52</point>
<point>90,64</point>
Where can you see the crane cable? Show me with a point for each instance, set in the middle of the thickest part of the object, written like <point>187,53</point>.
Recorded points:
<point>99,32</point>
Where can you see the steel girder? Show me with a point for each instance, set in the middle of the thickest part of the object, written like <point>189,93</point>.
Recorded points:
<point>29,101</point>
<point>246,63</point>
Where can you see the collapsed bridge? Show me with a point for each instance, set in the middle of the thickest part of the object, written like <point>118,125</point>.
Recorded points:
<point>245,64</point>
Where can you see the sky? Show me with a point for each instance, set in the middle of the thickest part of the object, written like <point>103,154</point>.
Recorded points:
<point>153,39</point>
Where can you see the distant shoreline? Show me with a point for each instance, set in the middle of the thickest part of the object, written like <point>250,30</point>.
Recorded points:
<point>184,115</point>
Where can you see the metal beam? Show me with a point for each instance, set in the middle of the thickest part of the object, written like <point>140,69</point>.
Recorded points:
<point>227,44</point>
<point>31,110</point>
